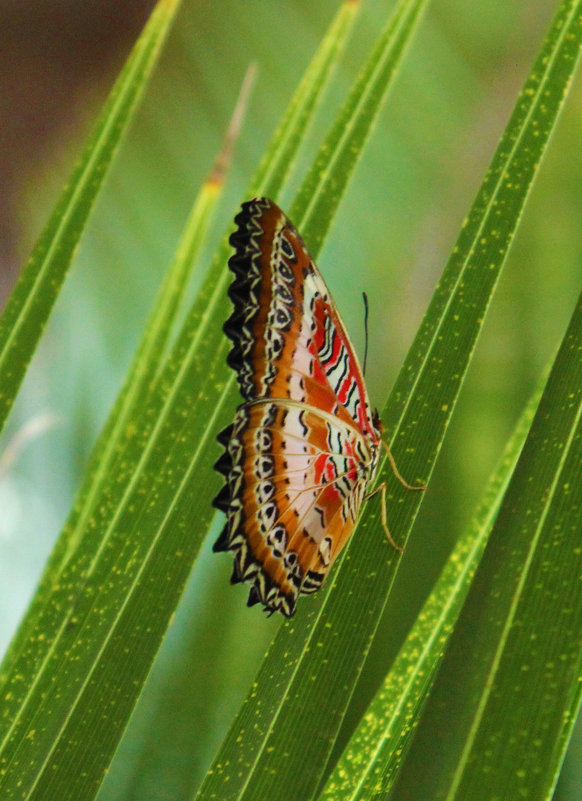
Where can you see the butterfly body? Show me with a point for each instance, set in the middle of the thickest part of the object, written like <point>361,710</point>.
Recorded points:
<point>304,445</point>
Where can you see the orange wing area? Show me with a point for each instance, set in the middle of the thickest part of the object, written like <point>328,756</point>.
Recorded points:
<point>288,339</point>
<point>304,445</point>
<point>296,480</point>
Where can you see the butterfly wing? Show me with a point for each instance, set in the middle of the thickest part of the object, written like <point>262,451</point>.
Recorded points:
<point>303,446</point>
<point>296,478</point>
<point>288,338</point>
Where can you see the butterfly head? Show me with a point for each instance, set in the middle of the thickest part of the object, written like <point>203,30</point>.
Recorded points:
<point>377,422</point>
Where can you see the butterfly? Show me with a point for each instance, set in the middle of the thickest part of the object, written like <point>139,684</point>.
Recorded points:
<point>305,445</point>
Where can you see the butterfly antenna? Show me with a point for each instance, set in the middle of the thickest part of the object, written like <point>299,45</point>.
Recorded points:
<point>366,310</point>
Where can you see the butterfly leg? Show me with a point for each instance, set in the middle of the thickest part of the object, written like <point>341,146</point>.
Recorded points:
<point>395,470</point>
<point>381,488</point>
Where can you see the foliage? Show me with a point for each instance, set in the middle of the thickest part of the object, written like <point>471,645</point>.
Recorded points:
<point>72,675</point>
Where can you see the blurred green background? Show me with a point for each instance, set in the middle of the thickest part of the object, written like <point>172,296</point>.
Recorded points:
<point>406,204</point>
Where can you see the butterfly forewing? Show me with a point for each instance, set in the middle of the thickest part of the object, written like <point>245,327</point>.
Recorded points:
<point>304,445</point>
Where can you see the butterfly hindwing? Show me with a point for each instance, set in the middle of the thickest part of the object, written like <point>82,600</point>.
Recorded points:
<point>296,478</point>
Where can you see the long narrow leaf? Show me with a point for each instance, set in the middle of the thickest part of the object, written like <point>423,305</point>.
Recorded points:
<point>121,588</point>
<point>278,160</point>
<point>308,676</point>
<point>322,189</point>
<point>33,297</point>
<point>248,764</point>
<point>370,762</point>
<point>509,688</point>
<point>109,448</point>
